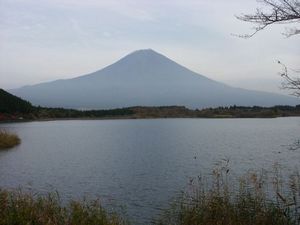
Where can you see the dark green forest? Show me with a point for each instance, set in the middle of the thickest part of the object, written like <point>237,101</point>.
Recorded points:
<point>12,104</point>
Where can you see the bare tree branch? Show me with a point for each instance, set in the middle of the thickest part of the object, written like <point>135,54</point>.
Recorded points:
<point>290,83</point>
<point>279,12</point>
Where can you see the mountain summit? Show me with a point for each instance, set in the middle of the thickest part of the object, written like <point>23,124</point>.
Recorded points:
<point>145,78</point>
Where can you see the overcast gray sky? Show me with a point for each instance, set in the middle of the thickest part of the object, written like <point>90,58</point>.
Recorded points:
<point>44,40</point>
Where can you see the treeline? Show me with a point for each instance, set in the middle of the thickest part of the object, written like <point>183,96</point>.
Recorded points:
<point>166,112</point>
<point>250,112</point>
<point>42,112</point>
<point>37,113</point>
<point>14,108</point>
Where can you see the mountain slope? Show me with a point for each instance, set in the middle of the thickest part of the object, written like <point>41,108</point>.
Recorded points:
<point>12,104</point>
<point>146,78</point>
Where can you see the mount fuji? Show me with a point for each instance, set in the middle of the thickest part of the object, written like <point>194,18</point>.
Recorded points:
<point>144,78</point>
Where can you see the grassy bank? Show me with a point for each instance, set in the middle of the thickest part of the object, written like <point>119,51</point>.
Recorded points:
<point>257,199</point>
<point>8,140</point>
<point>17,208</point>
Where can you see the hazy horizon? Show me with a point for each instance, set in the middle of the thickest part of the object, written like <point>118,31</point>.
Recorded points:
<point>49,40</point>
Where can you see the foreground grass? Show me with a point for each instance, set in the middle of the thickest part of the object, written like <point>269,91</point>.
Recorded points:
<point>253,202</point>
<point>17,208</point>
<point>8,140</point>
<point>258,199</point>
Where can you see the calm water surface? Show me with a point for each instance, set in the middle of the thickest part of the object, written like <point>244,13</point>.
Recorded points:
<point>140,164</point>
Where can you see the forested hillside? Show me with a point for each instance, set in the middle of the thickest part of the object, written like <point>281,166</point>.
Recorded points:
<point>12,104</point>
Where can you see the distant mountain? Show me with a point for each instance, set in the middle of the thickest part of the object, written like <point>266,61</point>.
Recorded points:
<point>145,78</point>
<point>12,104</point>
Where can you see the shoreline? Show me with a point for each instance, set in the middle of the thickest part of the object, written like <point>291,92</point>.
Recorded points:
<point>148,112</point>
<point>135,118</point>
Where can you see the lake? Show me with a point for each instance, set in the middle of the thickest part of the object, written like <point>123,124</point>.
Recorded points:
<point>139,165</point>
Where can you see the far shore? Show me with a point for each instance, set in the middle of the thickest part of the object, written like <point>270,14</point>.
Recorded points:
<point>147,112</point>
<point>133,118</point>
